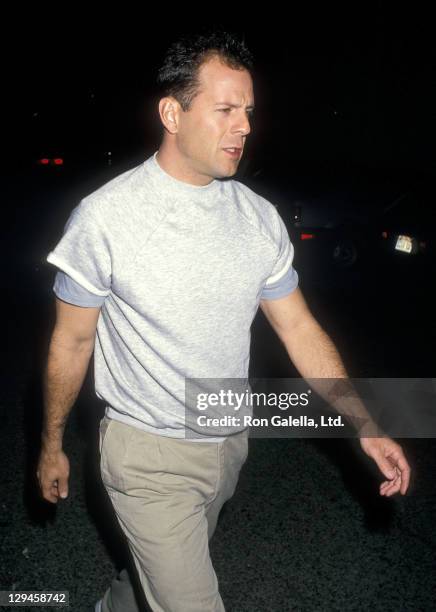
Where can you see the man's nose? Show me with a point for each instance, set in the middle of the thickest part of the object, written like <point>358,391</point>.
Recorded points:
<point>242,125</point>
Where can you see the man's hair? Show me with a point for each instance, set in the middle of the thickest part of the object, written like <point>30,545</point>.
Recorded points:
<point>178,75</point>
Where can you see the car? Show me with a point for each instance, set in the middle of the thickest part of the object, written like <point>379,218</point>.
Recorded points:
<point>342,219</point>
<point>407,226</point>
<point>407,238</point>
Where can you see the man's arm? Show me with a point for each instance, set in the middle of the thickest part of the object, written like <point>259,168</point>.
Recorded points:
<point>309,347</point>
<point>70,349</point>
<point>315,356</point>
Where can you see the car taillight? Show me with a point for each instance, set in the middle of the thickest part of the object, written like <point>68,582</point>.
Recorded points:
<point>54,161</point>
<point>307,236</point>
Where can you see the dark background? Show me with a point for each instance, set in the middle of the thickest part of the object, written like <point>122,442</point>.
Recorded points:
<point>337,91</point>
<point>339,84</point>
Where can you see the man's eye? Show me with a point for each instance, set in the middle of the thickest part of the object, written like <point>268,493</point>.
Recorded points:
<point>250,114</point>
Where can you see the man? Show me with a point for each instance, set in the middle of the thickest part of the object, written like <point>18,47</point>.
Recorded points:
<point>167,264</point>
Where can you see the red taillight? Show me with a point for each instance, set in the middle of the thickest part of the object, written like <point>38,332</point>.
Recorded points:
<point>44,161</point>
<point>58,161</point>
<point>307,236</point>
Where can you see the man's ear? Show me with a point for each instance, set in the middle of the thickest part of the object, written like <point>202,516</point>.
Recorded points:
<point>169,111</point>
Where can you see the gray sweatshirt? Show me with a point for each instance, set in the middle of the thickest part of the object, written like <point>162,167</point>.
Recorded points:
<point>178,270</point>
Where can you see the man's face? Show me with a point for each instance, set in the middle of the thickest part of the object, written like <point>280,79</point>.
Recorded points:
<point>217,120</point>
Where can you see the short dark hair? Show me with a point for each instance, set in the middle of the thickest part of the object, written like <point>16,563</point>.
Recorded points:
<point>179,71</point>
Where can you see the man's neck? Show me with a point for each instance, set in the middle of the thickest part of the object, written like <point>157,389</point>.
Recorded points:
<point>173,165</point>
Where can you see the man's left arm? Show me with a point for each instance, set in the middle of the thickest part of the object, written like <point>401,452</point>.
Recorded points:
<point>315,356</point>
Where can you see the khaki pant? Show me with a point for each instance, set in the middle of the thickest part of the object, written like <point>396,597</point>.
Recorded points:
<point>167,495</point>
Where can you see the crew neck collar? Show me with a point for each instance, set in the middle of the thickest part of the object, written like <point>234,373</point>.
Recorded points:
<point>178,185</point>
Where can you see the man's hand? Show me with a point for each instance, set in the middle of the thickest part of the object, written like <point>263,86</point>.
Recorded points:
<point>53,472</point>
<point>391,461</point>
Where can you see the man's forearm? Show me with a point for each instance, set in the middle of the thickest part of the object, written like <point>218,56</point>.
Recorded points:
<point>316,357</point>
<point>65,371</point>
<point>313,352</point>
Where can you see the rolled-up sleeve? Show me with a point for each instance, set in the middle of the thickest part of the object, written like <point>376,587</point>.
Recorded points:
<point>83,252</point>
<point>68,290</point>
<point>283,278</point>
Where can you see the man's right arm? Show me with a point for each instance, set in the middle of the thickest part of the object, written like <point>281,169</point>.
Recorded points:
<point>70,349</point>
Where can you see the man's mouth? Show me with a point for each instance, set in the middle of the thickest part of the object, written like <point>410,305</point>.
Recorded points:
<point>233,151</point>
